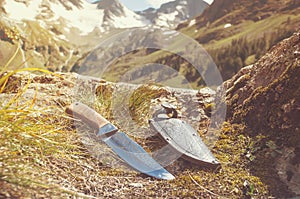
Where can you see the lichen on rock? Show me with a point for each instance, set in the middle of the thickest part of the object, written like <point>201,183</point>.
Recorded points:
<point>266,98</point>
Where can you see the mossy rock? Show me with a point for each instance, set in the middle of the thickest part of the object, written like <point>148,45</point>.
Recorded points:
<point>268,104</point>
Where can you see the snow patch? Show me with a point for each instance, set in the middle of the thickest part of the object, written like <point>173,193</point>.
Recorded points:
<point>67,29</point>
<point>19,11</point>
<point>184,2</point>
<point>179,7</point>
<point>129,20</point>
<point>84,19</point>
<point>62,37</point>
<point>164,19</point>
<point>170,32</point>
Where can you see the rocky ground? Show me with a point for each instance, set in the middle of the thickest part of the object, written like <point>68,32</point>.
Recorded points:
<point>46,155</point>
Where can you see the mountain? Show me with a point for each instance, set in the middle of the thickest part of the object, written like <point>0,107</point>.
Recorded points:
<point>234,34</point>
<point>238,33</point>
<point>75,14</point>
<point>118,16</point>
<point>234,12</point>
<point>56,34</point>
<point>175,12</point>
<point>104,15</point>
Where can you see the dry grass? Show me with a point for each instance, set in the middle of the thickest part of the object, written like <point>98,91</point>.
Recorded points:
<point>31,139</point>
<point>42,156</point>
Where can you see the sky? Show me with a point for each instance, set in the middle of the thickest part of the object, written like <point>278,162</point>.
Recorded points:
<point>138,5</point>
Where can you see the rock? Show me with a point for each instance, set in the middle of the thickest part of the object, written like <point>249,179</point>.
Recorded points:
<point>266,98</point>
<point>64,88</point>
<point>269,89</point>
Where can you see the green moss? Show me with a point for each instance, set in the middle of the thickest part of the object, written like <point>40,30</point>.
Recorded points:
<point>104,93</point>
<point>231,150</point>
<point>269,127</point>
<point>140,101</point>
<point>250,60</point>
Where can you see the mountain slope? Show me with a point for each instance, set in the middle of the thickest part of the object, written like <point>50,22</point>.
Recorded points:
<point>118,16</point>
<point>175,12</point>
<point>81,15</point>
<point>34,46</point>
<point>55,34</point>
<point>229,11</point>
<point>68,29</point>
<point>237,33</point>
<point>233,39</point>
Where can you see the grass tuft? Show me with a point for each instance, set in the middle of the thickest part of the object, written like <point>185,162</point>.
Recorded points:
<point>140,101</point>
<point>31,137</point>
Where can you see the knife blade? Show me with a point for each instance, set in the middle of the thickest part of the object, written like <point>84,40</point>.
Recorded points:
<point>126,148</point>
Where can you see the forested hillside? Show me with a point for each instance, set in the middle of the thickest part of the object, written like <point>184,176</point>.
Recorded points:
<point>238,33</point>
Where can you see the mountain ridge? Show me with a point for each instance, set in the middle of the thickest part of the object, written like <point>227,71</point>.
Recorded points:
<point>69,29</point>
<point>231,42</point>
<point>175,12</point>
<point>229,11</point>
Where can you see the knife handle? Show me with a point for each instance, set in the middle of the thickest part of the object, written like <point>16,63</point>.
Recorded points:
<point>87,115</point>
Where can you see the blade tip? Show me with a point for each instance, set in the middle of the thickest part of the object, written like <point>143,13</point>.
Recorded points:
<point>168,176</point>
<point>161,174</point>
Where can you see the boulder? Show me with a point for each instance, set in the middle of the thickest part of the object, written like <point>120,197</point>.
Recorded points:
<point>266,98</point>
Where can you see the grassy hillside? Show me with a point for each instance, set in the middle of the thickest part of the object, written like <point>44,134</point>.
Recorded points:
<point>254,28</point>
<point>244,43</point>
<point>42,155</point>
<point>36,45</point>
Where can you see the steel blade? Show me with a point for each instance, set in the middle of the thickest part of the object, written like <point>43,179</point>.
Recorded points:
<point>135,156</point>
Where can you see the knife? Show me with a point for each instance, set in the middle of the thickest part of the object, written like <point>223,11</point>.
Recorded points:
<point>182,137</point>
<point>127,149</point>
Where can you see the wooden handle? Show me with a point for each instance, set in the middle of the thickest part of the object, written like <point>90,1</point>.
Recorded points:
<point>87,114</point>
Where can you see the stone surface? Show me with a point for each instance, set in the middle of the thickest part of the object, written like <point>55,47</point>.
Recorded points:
<point>266,98</point>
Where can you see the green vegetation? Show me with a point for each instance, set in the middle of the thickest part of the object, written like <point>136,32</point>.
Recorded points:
<point>35,141</point>
<point>140,101</point>
<point>247,47</point>
<point>37,45</point>
<point>244,43</point>
<point>104,93</point>
<point>230,48</point>
<point>42,156</point>
<point>29,141</point>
